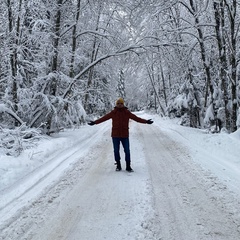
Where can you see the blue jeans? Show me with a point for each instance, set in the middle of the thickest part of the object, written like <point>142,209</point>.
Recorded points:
<point>116,148</point>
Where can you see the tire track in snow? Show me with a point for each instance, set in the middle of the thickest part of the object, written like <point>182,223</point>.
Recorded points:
<point>104,204</point>
<point>168,197</point>
<point>92,203</point>
<point>190,204</point>
<point>25,194</point>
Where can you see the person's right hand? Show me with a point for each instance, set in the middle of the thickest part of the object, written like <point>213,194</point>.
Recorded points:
<point>149,121</point>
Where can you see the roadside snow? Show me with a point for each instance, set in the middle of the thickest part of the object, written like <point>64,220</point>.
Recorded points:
<point>217,153</point>
<point>185,186</point>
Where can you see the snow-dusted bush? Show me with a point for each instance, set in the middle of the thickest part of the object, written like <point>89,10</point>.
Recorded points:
<point>186,105</point>
<point>14,141</point>
<point>214,121</point>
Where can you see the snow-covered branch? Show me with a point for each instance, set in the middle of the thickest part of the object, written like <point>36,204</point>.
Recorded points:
<point>4,109</point>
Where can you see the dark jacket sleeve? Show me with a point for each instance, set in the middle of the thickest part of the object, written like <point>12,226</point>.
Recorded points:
<point>104,118</point>
<point>137,119</point>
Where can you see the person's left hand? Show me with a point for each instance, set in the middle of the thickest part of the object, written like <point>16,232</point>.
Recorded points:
<point>91,123</point>
<point>149,121</point>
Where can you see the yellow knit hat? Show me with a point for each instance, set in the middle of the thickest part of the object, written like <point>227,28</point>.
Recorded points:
<point>120,100</point>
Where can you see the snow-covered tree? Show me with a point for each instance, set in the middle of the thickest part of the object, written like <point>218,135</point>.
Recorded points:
<point>121,92</point>
<point>60,60</point>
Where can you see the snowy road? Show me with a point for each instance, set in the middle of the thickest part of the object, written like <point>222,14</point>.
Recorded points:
<point>168,197</point>
<point>189,203</point>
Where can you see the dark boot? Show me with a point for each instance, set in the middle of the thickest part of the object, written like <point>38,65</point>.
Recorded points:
<point>118,168</point>
<point>128,167</point>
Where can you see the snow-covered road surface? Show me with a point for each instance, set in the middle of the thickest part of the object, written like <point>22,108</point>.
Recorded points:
<point>168,196</point>
<point>189,203</point>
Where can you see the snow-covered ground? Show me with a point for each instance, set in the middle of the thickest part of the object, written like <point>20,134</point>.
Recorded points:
<point>185,186</point>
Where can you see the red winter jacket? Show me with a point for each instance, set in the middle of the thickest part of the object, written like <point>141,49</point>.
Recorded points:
<point>120,121</point>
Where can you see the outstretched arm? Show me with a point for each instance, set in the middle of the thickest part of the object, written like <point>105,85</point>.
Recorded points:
<point>140,120</point>
<point>100,120</point>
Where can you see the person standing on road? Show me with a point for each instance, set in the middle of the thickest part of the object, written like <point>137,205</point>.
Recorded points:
<point>120,116</point>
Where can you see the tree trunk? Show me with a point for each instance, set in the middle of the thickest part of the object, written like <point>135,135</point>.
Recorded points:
<point>74,40</point>
<point>56,40</point>
<point>219,28</point>
<point>233,63</point>
<point>13,55</point>
<point>95,48</point>
<point>203,55</point>
<point>151,77</point>
<point>74,47</point>
<point>53,87</point>
<point>194,110</point>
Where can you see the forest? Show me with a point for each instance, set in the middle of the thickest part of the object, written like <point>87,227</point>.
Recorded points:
<point>62,62</point>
